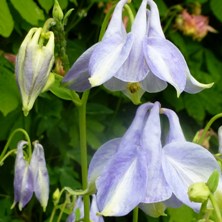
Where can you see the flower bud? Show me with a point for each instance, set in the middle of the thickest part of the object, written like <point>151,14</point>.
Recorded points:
<point>57,11</point>
<point>198,192</point>
<point>23,179</point>
<point>33,65</point>
<point>40,175</point>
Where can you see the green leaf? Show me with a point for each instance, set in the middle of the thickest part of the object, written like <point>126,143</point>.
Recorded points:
<point>213,181</point>
<point>9,92</point>
<point>216,7</point>
<point>29,11</point>
<point>60,91</point>
<point>6,21</point>
<point>194,107</point>
<point>162,7</point>
<point>47,5</point>
<point>63,3</point>
<point>181,214</point>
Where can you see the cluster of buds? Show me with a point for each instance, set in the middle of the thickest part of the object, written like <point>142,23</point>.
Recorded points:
<point>194,25</point>
<point>31,177</point>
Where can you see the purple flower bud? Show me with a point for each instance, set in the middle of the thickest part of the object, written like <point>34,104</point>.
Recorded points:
<point>40,175</point>
<point>23,180</point>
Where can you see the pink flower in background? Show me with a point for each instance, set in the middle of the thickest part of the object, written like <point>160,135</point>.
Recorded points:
<point>194,25</point>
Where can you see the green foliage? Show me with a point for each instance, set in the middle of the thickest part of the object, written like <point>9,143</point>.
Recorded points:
<point>6,21</point>
<point>10,98</point>
<point>216,8</point>
<point>54,118</point>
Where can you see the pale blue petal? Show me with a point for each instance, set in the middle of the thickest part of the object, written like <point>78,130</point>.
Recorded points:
<point>77,76</point>
<point>101,160</point>
<point>155,29</point>
<point>94,210</point>
<point>185,163</point>
<point>40,175</point>
<point>23,180</point>
<point>157,188</point>
<point>153,209</point>
<point>153,84</point>
<point>115,84</point>
<point>116,27</point>
<point>166,62</point>
<point>135,68</point>
<point>134,132</point>
<point>175,133</point>
<point>108,57</point>
<point>122,186</point>
<point>193,86</point>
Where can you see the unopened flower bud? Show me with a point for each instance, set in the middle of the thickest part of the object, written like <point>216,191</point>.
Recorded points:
<point>198,192</point>
<point>56,196</point>
<point>57,11</point>
<point>33,65</point>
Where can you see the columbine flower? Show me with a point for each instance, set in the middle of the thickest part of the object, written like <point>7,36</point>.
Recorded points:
<point>40,175</point>
<point>23,180</point>
<point>79,210</point>
<point>30,177</point>
<point>143,57</point>
<point>138,168</point>
<point>33,64</point>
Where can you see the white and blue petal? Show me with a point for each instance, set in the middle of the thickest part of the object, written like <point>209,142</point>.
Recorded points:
<point>185,163</point>
<point>77,76</point>
<point>112,51</point>
<point>135,68</point>
<point>157,188</point>
<point>40,175</point>
<point>122,186</point>
<point>100,161</point>
<point>23,179</point>
<point>175,133</point>
<point>166,62</point>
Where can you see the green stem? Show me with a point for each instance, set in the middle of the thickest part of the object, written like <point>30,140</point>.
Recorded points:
<point>214,118</point>
<point>7,155</point>
<point>83,148</point>
<point>135,214</point>
<point>53,214</point>
<point>9,141</point>
<point>216,208</point>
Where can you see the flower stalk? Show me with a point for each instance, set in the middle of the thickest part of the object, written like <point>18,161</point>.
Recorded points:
<point>207,127</point>
<point>83,148</point>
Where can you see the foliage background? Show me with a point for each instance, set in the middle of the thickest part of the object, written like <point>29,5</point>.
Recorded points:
<point>54,121</point>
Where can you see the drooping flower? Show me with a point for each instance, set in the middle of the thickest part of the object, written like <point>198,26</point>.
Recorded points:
<point>142,57</point>
<point>23,179</point>
<point>40,174</point>
<point>30,177</point>
<point>138,168</point>
<point>33,64</point>
<point>79,210</point>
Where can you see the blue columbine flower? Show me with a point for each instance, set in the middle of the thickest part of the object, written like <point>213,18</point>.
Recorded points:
<point>141,60</point>
<point>30,177</point>
<point>33,64</point>
<point>138,168</point>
